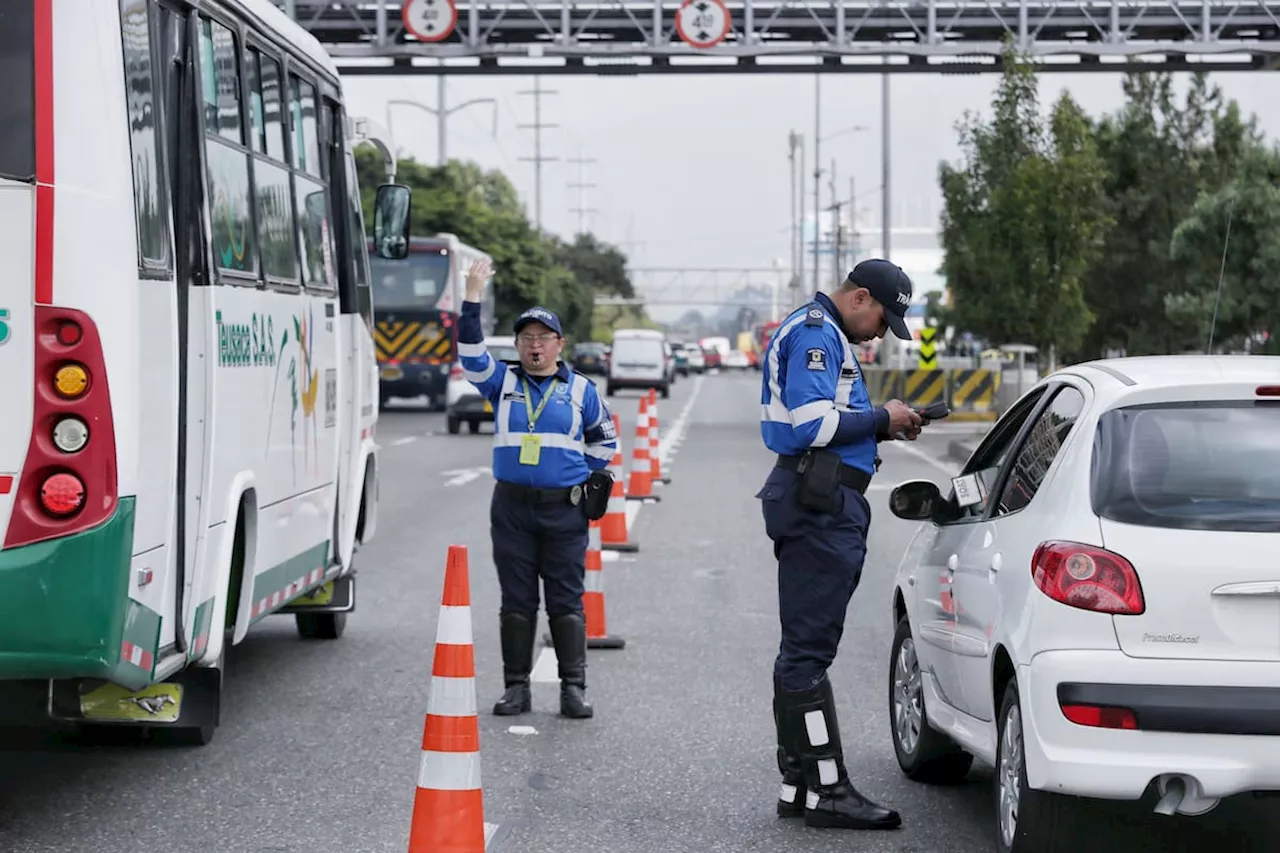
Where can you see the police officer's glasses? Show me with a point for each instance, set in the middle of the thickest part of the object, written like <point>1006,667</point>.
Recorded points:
<point>544,338</point>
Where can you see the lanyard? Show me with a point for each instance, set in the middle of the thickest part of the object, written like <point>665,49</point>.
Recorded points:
<point>533,413</point>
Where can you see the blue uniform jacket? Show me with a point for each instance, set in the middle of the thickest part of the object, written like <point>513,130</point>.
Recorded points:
<point>575,427</point>
<point>813,394</point>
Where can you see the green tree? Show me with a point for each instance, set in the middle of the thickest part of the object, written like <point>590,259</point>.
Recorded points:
<point>1024,218</point>
<point>1159,155</point>
<point>1231,236</point>
<point>484,210</point>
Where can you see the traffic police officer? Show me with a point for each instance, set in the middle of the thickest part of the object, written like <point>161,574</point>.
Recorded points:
<point>551,431</point>
<point>819,420</point>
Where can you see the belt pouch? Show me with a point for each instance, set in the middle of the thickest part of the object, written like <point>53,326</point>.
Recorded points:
<point>819,487</point>
<point>599,487</point>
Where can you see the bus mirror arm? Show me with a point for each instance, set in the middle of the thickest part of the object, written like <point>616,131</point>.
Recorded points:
<point>391,221</point>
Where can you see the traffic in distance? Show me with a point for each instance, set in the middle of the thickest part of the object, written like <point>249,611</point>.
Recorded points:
<point>200,342</point>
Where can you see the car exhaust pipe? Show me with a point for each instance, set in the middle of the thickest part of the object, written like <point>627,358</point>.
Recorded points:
<point>1182,794</point>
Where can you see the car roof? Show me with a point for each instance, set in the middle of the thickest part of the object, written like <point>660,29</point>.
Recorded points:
<point>500,341</point>
<point>1163,371</point>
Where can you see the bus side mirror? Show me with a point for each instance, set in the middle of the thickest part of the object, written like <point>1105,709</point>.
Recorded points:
<point>391,221</point>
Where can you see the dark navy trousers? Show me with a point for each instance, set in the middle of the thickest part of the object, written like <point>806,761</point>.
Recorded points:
<point>820,558</point>
<point>533,540</point>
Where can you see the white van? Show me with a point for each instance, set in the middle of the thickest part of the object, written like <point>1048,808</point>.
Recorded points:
<point>638,359</point>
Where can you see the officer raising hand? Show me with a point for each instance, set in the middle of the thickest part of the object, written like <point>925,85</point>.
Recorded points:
<point>818,418</point>
<point>553,439</point>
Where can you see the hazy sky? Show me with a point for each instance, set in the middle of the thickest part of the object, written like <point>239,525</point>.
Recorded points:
<point>693,169</point>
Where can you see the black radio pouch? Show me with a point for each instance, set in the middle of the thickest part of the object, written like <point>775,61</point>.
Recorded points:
<point>596,501</point>
<point>819,487</point>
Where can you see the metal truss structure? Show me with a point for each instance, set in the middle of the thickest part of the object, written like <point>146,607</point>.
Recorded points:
<point>704,289</point>
<point>628,37</point>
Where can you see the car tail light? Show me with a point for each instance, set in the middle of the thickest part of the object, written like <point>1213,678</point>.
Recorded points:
<point>68,482</point>
<point>1087,577</point>
<point>1268,391</point>
<point>1101,716</point>
<point>455,372</point>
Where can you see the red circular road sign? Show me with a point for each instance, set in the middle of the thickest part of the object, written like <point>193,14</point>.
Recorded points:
<point>430,20</point>
<point>702,23</point>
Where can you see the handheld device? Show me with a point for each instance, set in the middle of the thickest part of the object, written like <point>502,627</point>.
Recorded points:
<point>934,411</point>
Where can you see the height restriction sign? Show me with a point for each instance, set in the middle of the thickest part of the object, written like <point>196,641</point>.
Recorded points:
<point>702,23</point>
<point>429,20</point>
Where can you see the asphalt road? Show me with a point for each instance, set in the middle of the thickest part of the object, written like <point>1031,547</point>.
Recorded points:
<point>319,747</point>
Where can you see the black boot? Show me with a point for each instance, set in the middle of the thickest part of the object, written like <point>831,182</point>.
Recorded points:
<point>569,634</point>
<point>791,797</point>
<point>517,661</point>
<point>830,798</point>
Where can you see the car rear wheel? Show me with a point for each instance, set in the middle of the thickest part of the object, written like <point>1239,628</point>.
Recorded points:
<point>455,425</point>
<point>473,427</point>
<point>924,753</point>
<point>665,391</point>
<point>1026,820</point>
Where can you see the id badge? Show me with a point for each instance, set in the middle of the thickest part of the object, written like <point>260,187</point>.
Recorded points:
<point>530,449</point>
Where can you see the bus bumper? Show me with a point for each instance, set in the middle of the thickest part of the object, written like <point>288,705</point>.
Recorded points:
<point>65,610</point>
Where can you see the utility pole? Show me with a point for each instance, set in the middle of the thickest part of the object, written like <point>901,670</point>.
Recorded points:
<point>582,210</point>
<point>817,172</point>
<point>885,215</point>
<point>442,115</point>
<point>793,142</point>
<point>853,223</point>
<point>835,206</point>
<point>799,279</point>
<point>537,159</point>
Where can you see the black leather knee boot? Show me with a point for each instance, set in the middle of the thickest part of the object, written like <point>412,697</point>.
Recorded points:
<point>831,801</point>
<point>517,632</point>
<point>791,797</point>
<point>569,634</point>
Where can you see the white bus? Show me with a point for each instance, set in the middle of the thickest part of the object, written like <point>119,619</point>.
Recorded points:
<point>187,373</point>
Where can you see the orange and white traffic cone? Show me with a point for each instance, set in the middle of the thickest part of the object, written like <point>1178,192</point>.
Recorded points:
<point>593,597</point>
<point>655,443</point>
<point>641,487</point>
<point>613,527</point>
<point>448,807</point>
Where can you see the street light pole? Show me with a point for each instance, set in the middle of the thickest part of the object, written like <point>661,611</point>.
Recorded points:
<point>442,114</point>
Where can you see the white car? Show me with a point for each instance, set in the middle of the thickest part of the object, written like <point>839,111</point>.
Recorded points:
<point>462,401</point>
<point>735,359</point>
<point>1095,606</point>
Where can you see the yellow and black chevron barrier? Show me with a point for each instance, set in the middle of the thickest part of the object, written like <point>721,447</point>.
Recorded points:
<point>928,349</point>
<point>411,340</point>
<point>922,388</point>
<point>971,394</point>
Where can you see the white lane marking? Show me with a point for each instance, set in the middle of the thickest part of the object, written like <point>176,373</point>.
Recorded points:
<point>675,435</point>
<point>462,476</point>
<point>401,442</point>
<point>521,730</point>
<point>547,669</point>
<point>489,830</point>
<point>905,447</point>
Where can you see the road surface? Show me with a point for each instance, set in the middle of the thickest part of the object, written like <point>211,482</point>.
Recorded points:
<point>319,747</point>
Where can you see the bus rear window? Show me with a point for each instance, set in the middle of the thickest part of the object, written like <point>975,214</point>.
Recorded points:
<point>417,281</point>
<point>1189,466</point>
<point>17,90</point>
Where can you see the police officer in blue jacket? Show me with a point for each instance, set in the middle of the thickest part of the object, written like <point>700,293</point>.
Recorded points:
<point>819,420</point>
<point>551,431</point>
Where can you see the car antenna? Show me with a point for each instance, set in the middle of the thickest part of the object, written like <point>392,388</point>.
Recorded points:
<point>1217,300</point>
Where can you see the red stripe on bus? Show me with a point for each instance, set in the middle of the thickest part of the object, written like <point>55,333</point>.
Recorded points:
<point>44,150</point>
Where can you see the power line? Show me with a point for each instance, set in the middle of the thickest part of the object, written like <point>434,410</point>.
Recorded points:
<point>581,186</point>
<point>537,159</point>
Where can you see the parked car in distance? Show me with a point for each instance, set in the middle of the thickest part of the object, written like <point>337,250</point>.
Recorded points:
<point>588,358</point>
<point>696,360</point>
<point>736,359</point>
<point>1091,607</point>
<point>681,356</point>
<point>640,359</point>
<point>463,403</point>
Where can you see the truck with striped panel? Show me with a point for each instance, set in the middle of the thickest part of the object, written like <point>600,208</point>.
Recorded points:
<point>417,301</point>
<point>187,366</point>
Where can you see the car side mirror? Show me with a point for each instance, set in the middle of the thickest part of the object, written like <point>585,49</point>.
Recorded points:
<point>916,500</point>
<point>391,221</point>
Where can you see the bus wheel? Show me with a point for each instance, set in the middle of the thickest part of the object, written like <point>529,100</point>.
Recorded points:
<point>321,626</point>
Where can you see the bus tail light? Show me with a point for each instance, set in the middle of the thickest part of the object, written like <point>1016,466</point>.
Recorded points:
<point>68,482</point>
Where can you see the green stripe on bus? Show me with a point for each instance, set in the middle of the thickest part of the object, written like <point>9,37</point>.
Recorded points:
<point>141,626</point>
<point>295,568</point>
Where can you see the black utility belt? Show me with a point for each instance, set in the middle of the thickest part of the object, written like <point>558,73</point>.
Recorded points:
<point>531,494</point>
<point>826,467</point>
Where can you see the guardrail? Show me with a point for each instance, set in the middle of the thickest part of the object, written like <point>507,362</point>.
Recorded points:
<point>970,394</point>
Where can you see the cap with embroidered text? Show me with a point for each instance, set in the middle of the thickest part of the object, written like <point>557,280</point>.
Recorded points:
<point>889,286</point>
<point>539,315</point>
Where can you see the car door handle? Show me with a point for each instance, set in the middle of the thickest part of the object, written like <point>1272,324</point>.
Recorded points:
<point>952,562</point>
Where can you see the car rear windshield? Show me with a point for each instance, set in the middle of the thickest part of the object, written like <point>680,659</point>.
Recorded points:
<point>417,281</point>
<point>637,350</point>
<point>17,91</point>
<point>1192,466</point>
